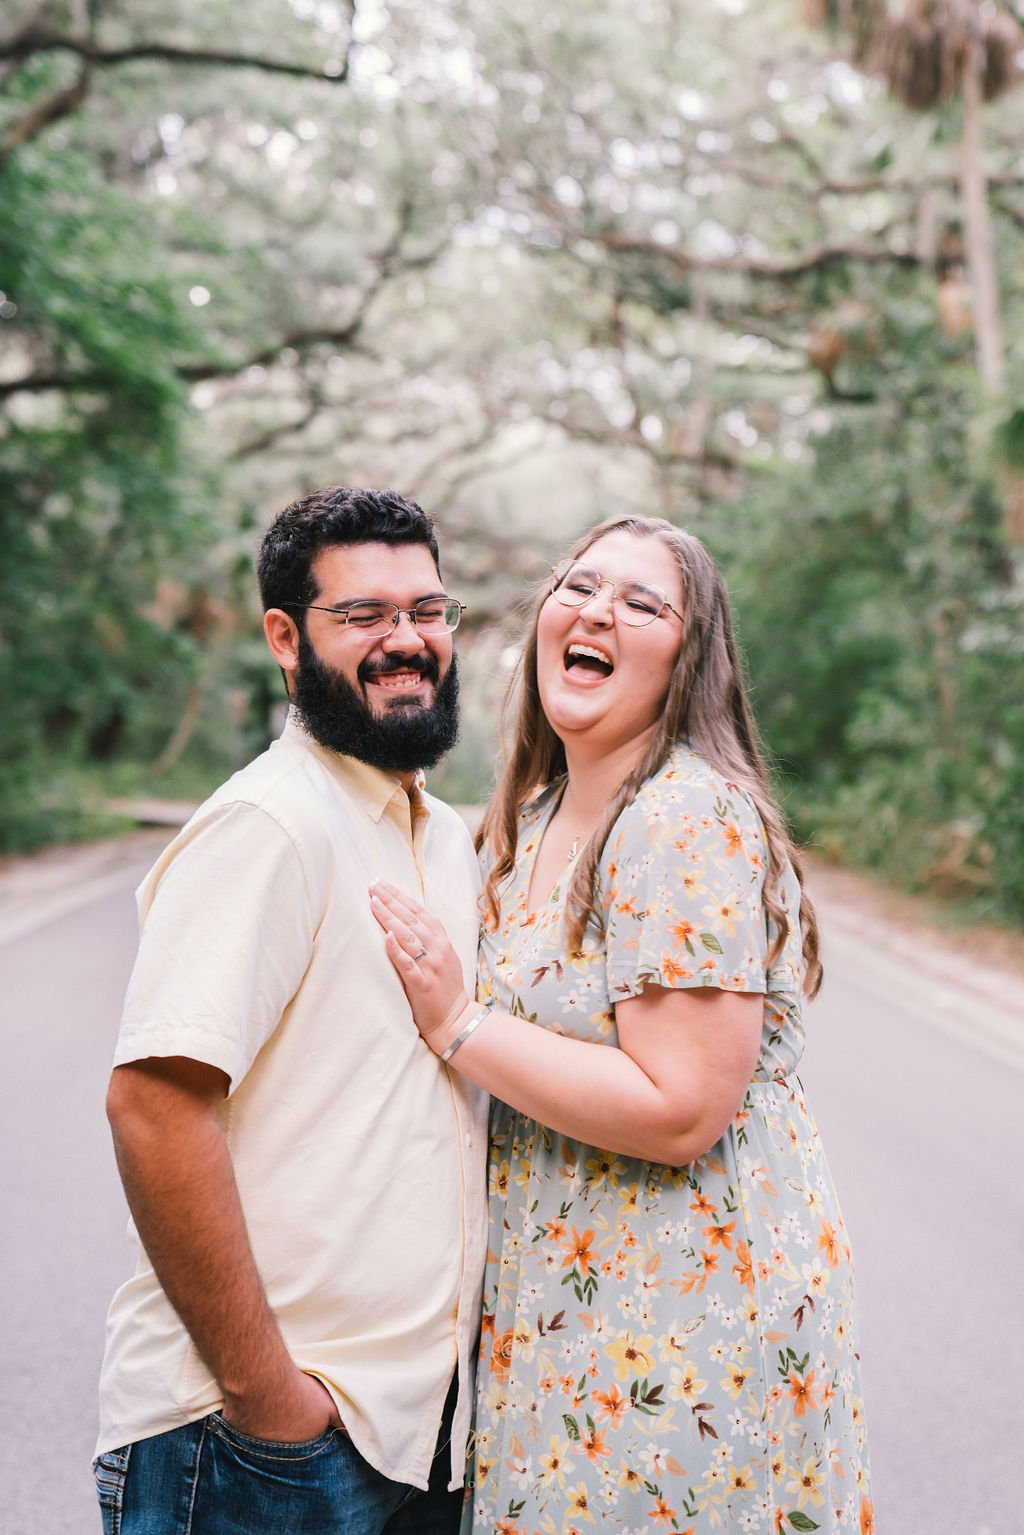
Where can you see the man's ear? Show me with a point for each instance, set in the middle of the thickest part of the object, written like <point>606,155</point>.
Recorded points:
<point>282,634</point>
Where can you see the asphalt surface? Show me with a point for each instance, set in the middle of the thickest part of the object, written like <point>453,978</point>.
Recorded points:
<point>915,1074</point>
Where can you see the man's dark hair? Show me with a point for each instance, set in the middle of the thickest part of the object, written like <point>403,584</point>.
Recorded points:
<point>336,515</point>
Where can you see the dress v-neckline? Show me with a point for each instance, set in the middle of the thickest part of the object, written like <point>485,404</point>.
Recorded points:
<point>532,849</point>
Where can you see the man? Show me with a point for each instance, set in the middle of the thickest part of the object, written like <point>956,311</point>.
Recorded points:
<point>293,1352</point>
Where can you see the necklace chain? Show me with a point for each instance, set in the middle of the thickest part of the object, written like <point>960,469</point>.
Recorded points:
<point>573,850</point>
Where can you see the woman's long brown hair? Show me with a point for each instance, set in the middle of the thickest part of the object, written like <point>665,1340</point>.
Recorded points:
<point>706,705</point>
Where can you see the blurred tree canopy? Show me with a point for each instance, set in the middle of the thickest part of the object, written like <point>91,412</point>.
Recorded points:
<point>715,261</point>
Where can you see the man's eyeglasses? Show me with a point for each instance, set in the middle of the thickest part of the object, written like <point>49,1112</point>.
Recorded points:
<point>636,603</point>
<point>431,615</point>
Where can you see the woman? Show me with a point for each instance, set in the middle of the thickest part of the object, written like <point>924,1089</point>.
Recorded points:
<point>668,1332</point>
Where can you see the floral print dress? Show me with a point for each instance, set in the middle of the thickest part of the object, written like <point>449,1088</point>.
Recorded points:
<point>665,1348</point>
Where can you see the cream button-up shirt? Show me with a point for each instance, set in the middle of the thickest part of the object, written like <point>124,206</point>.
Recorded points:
<point>359,1158</point>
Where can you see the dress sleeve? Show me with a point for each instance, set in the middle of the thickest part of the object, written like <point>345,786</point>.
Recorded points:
<point>227,934</point>
<point>681,890</point>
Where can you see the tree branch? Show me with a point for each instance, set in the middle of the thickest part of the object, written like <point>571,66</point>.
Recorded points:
<point>824,254</point>
<point>41,40</point>
<point>39,116</point>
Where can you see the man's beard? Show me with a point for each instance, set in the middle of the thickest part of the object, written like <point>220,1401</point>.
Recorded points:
<point>409,736</point>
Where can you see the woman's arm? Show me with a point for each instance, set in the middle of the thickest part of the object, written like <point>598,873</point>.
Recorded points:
<point>666,1095</point>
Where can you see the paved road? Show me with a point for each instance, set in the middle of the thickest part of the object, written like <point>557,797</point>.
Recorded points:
<point>924,1130</point>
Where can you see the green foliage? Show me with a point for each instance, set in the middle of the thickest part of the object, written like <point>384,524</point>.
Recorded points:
<point>883,627</point>
<point>96,494</point>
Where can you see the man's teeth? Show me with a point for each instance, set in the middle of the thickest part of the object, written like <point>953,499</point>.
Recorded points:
<point>398,679</point>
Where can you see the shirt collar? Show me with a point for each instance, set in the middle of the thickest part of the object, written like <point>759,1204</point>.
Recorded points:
<point>372,787</point>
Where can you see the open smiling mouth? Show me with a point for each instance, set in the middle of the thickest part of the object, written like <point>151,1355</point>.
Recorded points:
<point>397,682</point>
<point>588,661</point>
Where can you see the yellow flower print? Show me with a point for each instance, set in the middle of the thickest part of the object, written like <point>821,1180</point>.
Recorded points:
<point>739,1479</point>
<point>498,1181</point>
<point>631,1356</point>
<point>734,1379</point>
<point>630,1477</point>
<point>524,1340</point>
<point>605,1168</point>
<point>556,1462</point>
<point>807,1484</point>
<point>686,1385</point>
<point>722,914</point>
<point>578,1506</point>
<point>815,1278</point>
<point>629,1195</point>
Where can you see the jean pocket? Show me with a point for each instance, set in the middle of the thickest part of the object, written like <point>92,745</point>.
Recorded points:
<point>274,1449</point>
<point>110,1471</point>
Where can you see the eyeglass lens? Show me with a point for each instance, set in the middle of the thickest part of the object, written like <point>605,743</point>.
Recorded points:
<point>433,615</point>
<point>634,602</point>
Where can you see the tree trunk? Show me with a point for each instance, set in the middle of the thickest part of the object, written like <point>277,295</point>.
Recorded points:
<point>977,232</point>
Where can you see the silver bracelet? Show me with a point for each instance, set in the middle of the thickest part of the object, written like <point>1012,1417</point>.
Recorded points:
<point>460,1039</point>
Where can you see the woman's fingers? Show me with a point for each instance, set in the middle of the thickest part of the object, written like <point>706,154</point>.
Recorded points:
<point>400,931</point>
<point>403,906</point>
<point>404,962</point>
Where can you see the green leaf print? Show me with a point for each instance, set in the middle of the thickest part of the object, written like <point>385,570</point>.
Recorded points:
<point>572,1428</point>
<point>801,1521</point>
<point>711,943</point>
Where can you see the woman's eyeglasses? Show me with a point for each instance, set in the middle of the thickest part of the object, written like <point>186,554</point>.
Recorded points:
<point>636,603</point>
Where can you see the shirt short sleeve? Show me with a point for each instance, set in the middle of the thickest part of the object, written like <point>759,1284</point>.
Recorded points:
<point>681,887</point>
<point>227,934</point>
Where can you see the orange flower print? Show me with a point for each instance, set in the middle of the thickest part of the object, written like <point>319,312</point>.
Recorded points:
<point>673,971</point>
<point>867,1517</point>
<point>661,1513</point>
<point>595,1446</point>
<point>733,839</point>
<point>501,1355</point>
<point>612,1406</point>
<point>743,1268</point>
<point>682,931</point>
<point>578,1250</point>
<point>828,1244</point>
<point>720,1235</point>
<point>802,1391</point>
<point>702,1206</point>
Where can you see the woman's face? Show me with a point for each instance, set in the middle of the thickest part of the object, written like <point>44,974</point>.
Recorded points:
<point>603,683</point>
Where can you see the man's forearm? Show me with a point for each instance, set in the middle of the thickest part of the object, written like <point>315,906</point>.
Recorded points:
<point>182,1193</point>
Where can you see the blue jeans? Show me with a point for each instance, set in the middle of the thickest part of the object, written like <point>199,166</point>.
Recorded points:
<point>209,1479</point>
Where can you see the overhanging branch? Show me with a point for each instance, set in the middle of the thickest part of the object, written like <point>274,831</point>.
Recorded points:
<point>41,40</point>
<point>814,258</point>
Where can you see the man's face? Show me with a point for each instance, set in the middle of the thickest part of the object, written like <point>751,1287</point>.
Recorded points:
<point>389,700</point>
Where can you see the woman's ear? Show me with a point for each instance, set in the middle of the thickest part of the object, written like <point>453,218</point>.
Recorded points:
<point>282,634</point>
